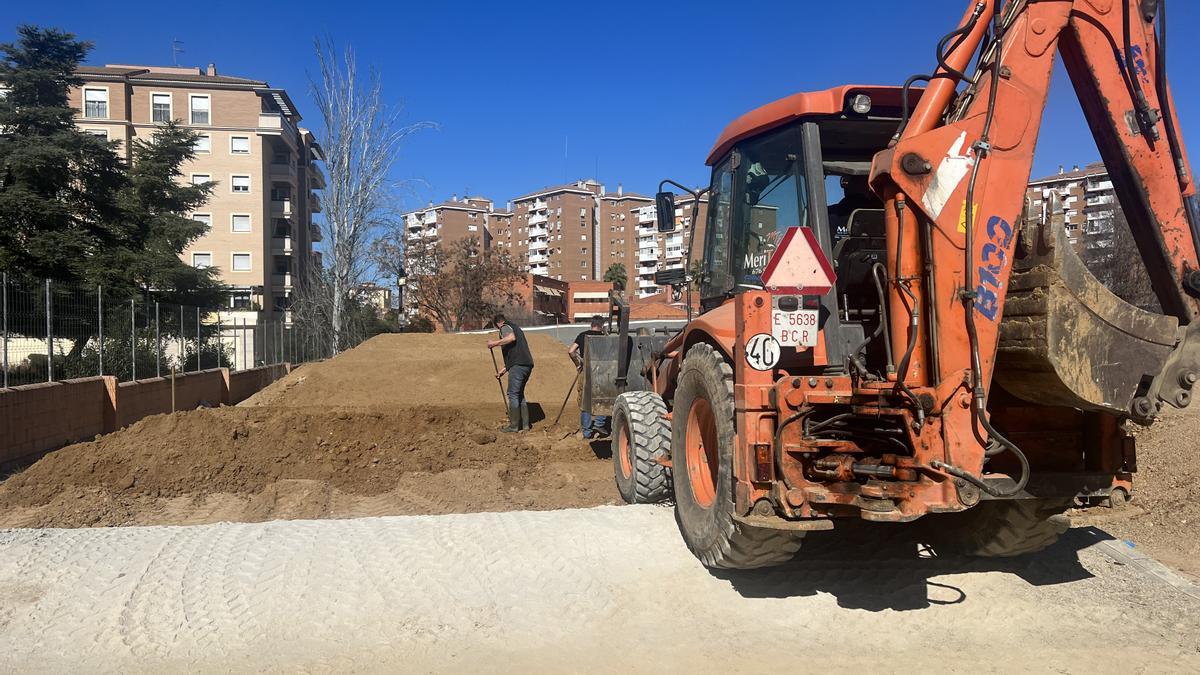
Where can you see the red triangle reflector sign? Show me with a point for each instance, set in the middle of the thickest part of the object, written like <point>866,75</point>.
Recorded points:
<point>799,267</point>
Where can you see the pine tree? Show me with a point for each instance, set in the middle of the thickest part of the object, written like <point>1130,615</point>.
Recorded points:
<point>156,207</point>
<point>58,185</point>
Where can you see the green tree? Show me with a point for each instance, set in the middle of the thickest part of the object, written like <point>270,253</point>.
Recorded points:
<point>615,274</point>
<point>58,185</point>
<point>156,208</point>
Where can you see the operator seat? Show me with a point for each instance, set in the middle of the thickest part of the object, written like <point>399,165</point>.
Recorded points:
<point>855,254</point>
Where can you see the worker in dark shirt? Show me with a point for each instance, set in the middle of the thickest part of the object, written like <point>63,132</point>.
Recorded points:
<point>518,364</point>
<point>597,426</point>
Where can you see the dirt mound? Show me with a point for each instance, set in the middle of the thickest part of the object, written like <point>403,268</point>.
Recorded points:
<point>1164,515</point>
<point>402,424</point>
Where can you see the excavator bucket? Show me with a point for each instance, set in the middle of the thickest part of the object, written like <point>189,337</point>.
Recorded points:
<point>1067,340</point>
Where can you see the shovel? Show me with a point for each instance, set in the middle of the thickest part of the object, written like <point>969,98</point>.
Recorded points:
<point>496,366</point>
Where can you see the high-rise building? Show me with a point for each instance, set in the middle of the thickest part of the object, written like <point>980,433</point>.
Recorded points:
<point>572,232</point>
<point>1088,199</point>
<point>451,220</point>
<point>259,216</point>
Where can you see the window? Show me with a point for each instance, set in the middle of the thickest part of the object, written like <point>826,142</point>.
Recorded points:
<point>241,262</point>
<point>95,103</point>
<point>240,222</point>
<point>160,107</point>
<point>200,105</point>
<point>240,184</point>
<point>201,260</point>
<point>240,145</point>
<point>198,178</point>
<point>203,143</point>
<point>203,218</point>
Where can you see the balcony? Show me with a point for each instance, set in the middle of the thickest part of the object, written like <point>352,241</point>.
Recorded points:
<point>431,233</point>
<point>538,205</point>
<point>412,221</point>
<point>646,281</point>
<point>315,176</point>
<point>429,217</point>
<point>539,258</point>
<point>539,269</point>
<point>1100,186</point>
<point>536,218</point>
<point>314,233</point>
<point>281,245</point>
<point>274,124</point>
<point>674,253</point>
<point>647,255</point>
<point>648,214</point>
<point>281,280</point>
<point>314,202</point>
<point>281,208</point>
<point>413,235</point>
<point>285,172</point>
<point>539,232</point>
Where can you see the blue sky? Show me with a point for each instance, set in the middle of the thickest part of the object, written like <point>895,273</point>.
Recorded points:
<point>632,91</point>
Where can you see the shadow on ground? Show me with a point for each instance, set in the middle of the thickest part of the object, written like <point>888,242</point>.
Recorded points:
<point>876,567</point>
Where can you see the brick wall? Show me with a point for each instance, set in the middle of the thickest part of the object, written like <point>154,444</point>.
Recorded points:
<point>245,383</point>
<point>37,418</point>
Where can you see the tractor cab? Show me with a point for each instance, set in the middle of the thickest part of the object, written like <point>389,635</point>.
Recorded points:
<point>803,161</point>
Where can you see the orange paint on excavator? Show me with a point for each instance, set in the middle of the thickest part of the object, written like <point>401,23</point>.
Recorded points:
<point>968,368</point>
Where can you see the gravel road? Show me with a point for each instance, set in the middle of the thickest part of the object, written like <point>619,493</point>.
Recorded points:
<point>603,589</point>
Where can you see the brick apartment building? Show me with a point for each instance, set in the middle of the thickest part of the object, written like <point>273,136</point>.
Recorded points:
<point>1088,199</point>
<point>571,233</point>
<point>261,231</point>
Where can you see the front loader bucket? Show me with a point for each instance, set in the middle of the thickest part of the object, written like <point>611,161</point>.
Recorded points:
<point>602,372</point>
<point>1066,340</point>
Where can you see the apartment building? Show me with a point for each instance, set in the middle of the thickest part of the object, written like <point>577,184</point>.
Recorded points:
<point>1088,199</point>
<point>450,221</point>
<point>260,215</point>
<point>555,231</point>
<point>663,250</point>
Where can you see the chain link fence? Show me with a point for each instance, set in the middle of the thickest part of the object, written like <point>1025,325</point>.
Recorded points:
<point>55,331</point>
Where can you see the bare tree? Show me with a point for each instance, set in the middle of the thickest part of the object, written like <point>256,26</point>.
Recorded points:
<point>461,283</point>
<point>362,137</point>
<point>387,256</point>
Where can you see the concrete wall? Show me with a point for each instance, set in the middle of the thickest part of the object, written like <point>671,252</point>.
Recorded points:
<point>37,418</point>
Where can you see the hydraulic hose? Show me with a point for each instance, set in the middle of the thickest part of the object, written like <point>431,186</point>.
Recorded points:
<point>979,399</point>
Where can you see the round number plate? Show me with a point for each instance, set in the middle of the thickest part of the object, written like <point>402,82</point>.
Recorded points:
<point>762,351</point>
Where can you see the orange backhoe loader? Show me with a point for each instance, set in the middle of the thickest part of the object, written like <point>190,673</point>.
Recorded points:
<point>887,330</point>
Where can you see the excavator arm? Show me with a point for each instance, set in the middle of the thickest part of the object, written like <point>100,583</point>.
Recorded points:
<point>957,173</point>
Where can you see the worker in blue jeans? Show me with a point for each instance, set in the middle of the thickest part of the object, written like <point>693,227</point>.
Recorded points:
<point>518,364</point>
<point>592,426</point>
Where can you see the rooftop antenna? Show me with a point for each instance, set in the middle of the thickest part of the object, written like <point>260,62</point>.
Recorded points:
<point>176,50</point>
<point>565,139</point>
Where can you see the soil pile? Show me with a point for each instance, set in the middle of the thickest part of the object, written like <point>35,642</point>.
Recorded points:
<point>402,424</point>
<point>1164,515</point>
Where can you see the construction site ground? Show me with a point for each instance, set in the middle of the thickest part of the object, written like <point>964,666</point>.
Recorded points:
<point>317,540</point>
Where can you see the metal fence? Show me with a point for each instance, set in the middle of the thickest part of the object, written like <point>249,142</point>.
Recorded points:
<point>55,331</point>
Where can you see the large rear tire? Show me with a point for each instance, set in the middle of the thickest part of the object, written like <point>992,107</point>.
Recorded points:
<point>1002,529</point>
<point>641,437</point>
<point>702,447</point>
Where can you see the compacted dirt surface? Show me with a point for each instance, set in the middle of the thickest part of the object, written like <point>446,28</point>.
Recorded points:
<point>604,590</point>
<point>402,424</point>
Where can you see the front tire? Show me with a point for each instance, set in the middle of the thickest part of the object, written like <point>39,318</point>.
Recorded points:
<point>702,449</point>
<point>641,437</point>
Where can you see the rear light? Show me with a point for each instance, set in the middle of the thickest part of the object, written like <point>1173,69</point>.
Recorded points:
<point>812,302</point>
<point>861,104</point>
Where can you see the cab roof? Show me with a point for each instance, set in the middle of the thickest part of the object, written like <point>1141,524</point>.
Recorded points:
<point>784,110</point>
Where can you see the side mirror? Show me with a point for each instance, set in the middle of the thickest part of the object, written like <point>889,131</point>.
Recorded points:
<point>664,202</point>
